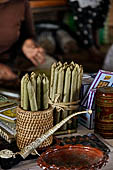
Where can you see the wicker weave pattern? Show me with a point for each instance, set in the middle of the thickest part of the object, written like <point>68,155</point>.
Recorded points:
<point>31,125</point>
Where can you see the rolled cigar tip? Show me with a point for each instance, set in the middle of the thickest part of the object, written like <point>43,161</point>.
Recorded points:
<point>72,63</point>
<point>43,75</point>
<point>26,75</point>
<point>59,64</point>
<point>33,73</point>
<point>54,64</point>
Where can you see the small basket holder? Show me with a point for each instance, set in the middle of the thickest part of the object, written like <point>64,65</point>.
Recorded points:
<point>31,125</point>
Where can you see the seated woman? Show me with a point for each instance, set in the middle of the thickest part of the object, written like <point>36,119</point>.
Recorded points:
<point>17,32</point>
<point>89,17</point>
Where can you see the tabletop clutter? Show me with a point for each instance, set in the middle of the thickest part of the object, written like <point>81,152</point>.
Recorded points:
<point>56,106</point>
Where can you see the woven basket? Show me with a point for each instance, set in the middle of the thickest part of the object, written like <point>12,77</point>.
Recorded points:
<point>31,125</point>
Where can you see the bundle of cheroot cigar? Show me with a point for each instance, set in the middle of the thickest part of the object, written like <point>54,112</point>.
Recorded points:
<point>66,82</point>
<point>34,92</point>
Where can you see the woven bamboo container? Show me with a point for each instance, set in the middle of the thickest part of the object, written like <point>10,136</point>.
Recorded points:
<point>31,125</point>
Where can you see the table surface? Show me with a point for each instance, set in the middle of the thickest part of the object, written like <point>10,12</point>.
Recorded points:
<point>32,165</point>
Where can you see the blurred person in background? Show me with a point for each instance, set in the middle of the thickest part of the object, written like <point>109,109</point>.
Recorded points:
<point>17,34</point>
<point>89,17</point>
<point>108,61</point>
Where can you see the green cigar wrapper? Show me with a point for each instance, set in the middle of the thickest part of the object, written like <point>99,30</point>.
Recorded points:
<point>45,83</point>
<point>52,79</point>
<point>73,85</point>
<point>60,83</point>
<point>33,80</point>
<point>39,89</point>
<point>26,97</point>
<point>22,91</point>
<point>55,84</point>
<point>32,97</point>
<point>60,90</point>
<point>66,94</point>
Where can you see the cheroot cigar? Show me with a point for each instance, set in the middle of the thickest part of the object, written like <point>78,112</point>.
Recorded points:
<point>33,81</point>
<point>39,93</point>
<point>72,90</point>
<point>79,74</point>
<point>73,85</point>
<point>22,91</point>
<point>60,90</point>
<point>52,79</point>
<point>60,83</point>
<point>45,83</point>
<point>32,97</point>
<point>66,94</point>
<point>26,98</point>
<point>55,84</point>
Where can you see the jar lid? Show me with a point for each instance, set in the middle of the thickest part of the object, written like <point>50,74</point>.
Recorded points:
<point>105,91</point>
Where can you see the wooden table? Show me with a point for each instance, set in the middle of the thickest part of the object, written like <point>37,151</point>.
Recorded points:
<point>31,164</point>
